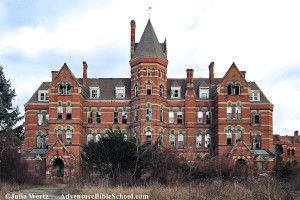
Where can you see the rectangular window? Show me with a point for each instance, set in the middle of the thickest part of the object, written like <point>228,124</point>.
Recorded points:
<point>136,115</point>
<point>94,92</point>
<point>200,117</point>
<point>289,152</point>
<point>148,89</point>
<point>250,120</point>
<point>47,119</point>
<point>254,95</point>
<point>229,112</point>
<point>98,117</point>
<point>59,112</point>
<point>293,152</point>
<point>229,137</point>
<point>149,114</point>
<point>204,93</point>
<point>90,117</point>
<point>259,166</point>
<point>207,140</point>
<point>69,112</point>
<point>238,112</point>
<point>171,117</point>
<point>257,120</point>
<point>175,93</point>
<point>40,119</point>
<point>208,117</point>
<point>120,93</point>
<point>116,117</point>
<point>69,137</point>
<point>124,117</point>
<point>43,95</point>
<point>238,135</point>
<point>199,141</point>
<point>161,115</point>
<point>179,117</point>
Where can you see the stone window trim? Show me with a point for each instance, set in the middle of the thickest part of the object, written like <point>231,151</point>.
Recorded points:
<point>233,87</point>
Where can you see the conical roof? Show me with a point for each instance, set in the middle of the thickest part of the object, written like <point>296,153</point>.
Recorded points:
<point>149,45</point>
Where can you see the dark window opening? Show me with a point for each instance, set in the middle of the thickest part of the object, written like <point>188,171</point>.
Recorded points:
<point>250,120</point>
<point>257,120</point>
<point>229,89</point>
<point>229,137</point>
<point>148,89</point>
<point>161,91</point>
<point>98,117</point>
<point>161,115</point>
<point>289,152</point>
<point>90,117</point>
<point>116,117</point>
<point>124,117</point>
<point>149,114</point>
<point>69,113</point>
<point>257,141</point>
<point>208,117</point>
<point>179,118</point>
<point>293,152</point>
<point>237,90</point>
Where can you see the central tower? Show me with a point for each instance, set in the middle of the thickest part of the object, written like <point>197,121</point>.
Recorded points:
<point>148,84</point>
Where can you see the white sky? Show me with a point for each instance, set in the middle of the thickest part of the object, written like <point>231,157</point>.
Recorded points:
<point>261,37</point>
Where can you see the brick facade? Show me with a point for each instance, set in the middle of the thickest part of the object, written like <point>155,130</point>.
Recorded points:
<point>200,118</point>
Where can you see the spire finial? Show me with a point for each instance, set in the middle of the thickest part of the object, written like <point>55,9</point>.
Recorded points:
<point>149,10</point>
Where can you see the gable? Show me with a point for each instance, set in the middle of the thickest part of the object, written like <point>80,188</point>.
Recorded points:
<point>234,74</point>
<point>65,75</point>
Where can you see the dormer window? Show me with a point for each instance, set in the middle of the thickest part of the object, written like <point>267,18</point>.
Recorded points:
<point>175,92</point>
<point>120,92</point>
<point>204,93</point>
<point>43,95</point>
<point>94,92</point>
<point>254,95</point>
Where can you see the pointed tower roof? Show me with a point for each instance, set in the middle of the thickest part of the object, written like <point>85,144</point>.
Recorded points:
<point>149,45</point>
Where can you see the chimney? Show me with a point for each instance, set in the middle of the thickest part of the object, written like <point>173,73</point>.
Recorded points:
<point>296,133</point>
<point>244,74</point>
<point>132,38</point>
<point>190,78</point>
<point>54,74</point>
<point>84,77</point>
<point>211,73</point>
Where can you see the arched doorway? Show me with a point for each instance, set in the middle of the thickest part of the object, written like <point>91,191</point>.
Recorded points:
<point>241,166</point>
<point>58,167</point>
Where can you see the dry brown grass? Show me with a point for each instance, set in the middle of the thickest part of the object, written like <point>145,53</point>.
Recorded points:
<point>258,189</point>
<point>7,187</point>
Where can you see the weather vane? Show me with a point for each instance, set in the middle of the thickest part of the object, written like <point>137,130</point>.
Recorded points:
<point>149,10</point>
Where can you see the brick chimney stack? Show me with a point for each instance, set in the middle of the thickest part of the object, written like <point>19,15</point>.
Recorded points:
<point>211,73</point>
<point>84,77</point>
<point>244,74</point>
<point>54,74</point>
<point>190,78</point>
<point>132,38</point>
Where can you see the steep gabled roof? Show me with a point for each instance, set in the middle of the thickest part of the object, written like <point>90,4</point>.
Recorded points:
<point>149,45</point>
<point>232,66</point>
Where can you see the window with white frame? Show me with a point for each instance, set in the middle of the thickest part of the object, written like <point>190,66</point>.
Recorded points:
<point>199,141</point>
<point>116,117</point>
<point>94,92</point>
<point>171,117</point>
<point>39,142</point>
<point>148,138</point>
<point>60,135</point>
<point>161,115</point>
<point>69,112</point>
<point>179,117</point>
<point>98,117</point>
<point>200,117</point>
<point>124,117</point>
<point>59,112</point>
<point>149,114</point>
<point>238,135</point>
<point>40,119</point>
<point>204,93</point>
<point>175,92</point>
<point>229,112</point>
<point>238,112</point>
<point>254,95</point>
<point>207,140</point>
<point>120,92</point>
<point>98,137</point>
<point>69,137</point>
<point>229,136</point>
<point>43,95</point>
<point>89,137</point>
<point>172,140</point>
<point>180,141</point>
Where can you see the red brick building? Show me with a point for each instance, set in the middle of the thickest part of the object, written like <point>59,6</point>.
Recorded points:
<point>288,147</point>
<point>200,118</point>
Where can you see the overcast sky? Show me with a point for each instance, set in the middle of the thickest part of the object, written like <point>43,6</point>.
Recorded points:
<point>261,37</point>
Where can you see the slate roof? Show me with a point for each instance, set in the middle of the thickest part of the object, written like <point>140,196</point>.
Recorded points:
<point>34,152</point>
<point>34,98</point>
<point>263,153</point>
<point>263,98</point>
<point>149,45</point>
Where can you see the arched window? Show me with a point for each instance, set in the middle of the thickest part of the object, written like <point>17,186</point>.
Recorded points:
<point>68,90</point>
<point>98,137</point>
<point>136,90</point>
<point>238,135</point>
<point>39,142</point>
<point>172,141</point>
<point>199,141</point>
<point>237,89</point>
<point>257,141</point>
<point>180,141</point>
<point>89,137</point>
<point>207,140</point>
<point>229,136</point>
<point>69,137</point>
<point>238,112</point>
<point>229,89</point>
<point>148,72</point>
<point>62,90</point>
<point>148,138</point>
<point>60,135</point>
<point>161,90</point>
<point>148,89</point>
<point>160,138</point>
